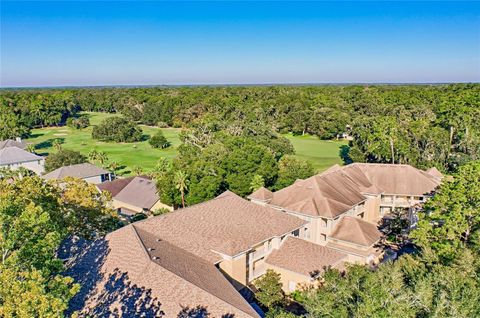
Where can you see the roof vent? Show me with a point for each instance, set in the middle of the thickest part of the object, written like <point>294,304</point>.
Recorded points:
<point>150,249</point>
<point>155,258</point>
<point>159,240</point>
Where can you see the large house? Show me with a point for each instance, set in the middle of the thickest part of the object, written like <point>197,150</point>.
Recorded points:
<point>133,195</point>
<point>13,158</point>
<point>85,171</point>
<point>324,221</point>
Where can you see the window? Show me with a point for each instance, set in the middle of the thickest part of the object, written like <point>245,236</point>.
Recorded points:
<point>296,233</point>
<point>292,286</point>
<point>361,215</point>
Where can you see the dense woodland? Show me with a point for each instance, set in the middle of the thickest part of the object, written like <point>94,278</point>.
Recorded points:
<point>232,140</point>
<point>424,125</point>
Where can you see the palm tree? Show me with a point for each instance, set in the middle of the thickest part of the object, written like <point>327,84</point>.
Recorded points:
<point>102,157</point>
<point>30,148</point>
<point>181,183</point>
<point>137,170</point>
<point>92,155</point>
<point>57,144</point>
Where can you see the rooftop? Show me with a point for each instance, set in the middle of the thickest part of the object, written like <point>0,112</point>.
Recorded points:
<point>306,258</point>
<point>11,155</point>
<point>135,271</point>
<point>357,231</point>
<point>140,192</point>
<point>81,170</point>
<point>13,143</point>
<point>225,225</point>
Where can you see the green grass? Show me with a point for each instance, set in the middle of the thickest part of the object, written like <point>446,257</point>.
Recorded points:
<point>128,155</point>
<point>321,153</point>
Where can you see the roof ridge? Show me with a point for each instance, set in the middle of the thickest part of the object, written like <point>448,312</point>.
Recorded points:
<point>183,278</point>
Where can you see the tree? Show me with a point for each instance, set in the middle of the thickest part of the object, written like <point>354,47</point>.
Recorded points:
<point>291,169</point>
<point>63,157</point>
<point>137,170</point>
<point>117,129</point>
<point>257,182</point>
<point>35,217</point>
<point>181,183</point>
<point>452,217</point>
<point>269,287</point>
<point>159,141</point>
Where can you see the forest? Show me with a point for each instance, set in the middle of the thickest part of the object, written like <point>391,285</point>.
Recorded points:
<point>423,125</point>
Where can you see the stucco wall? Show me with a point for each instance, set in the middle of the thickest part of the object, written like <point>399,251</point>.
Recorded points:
<point>36,166</point>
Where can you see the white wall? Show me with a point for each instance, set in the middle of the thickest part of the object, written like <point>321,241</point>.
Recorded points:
<point>36,166</point>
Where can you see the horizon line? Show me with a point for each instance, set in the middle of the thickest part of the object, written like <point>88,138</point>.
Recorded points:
<point>235,84</point>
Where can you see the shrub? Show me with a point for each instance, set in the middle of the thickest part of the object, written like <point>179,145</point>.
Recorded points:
<point>160,211</point>
<point>117,129</point>
<point>159,141</point>
<point>162,124</point>
<point>63,157</point>
<point>78,123</point>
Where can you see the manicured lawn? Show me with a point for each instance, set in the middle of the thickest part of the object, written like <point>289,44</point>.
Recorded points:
<point>128,155</point>
<point>322,154</point>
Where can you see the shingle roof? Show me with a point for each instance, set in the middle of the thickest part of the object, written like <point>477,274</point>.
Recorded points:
<point>140,192</point>
<point>138,274</point>
<point>399,179</point>
<point>355,230</point>
<point>115,186</point>
<point>303,257</point>
<point>11,155</point>
<point>13,143</point>
<point>262,194</point>
<point>227,224</point>
<point>81,170</point>
<point>338,189</point>
<point>435,173</point>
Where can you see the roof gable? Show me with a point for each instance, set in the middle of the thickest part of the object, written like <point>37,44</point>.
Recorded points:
<point>81,170</point>
<point>12,155</point>
<point>355,230</point>
<point>140,192</point>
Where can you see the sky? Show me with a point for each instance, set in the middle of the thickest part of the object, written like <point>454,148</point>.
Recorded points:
<point>67,43</point>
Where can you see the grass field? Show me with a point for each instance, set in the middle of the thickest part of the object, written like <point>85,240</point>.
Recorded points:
<point>321,153</point>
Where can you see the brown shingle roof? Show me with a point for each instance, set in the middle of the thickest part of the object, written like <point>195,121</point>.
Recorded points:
<point>13,143</point>
<point>338,189</point>
<point>140,192</point>
<point>132,279</point>
<point>227,224</point>
<point>81,170</point>
<point>399,179</point>
<point>435,173</point>
<point>262,194</point>
<point>355,230</point>
<point>115,186</point>
<point>303,257</point>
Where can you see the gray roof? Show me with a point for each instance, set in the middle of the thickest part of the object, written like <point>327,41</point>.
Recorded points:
<point>81,170</point>
<point>140,192</point>
<point>13,143</point>
<point>11,155</point>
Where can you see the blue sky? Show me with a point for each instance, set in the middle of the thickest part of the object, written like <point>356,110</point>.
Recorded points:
<point>121,43</point>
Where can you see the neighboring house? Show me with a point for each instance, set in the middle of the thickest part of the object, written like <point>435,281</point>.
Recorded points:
<point>18,142</point>
<point>85,171</point>
<point>13,158</point>
<point>133,195</point>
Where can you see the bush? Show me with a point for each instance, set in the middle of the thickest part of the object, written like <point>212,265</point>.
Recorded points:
<point>62,158</point>
<point>117,129</point>
<point>162,124</point>
<point>160,211</point>
<point>159,141</point>
<point>78,123</point>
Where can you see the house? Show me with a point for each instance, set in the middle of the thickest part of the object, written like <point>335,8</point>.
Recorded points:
<point>85,171</point>
<point>133,195</point>
<point>12,157</point>
<point>196,256</point>
<point>230,232</point>
<point>18,142</point>
<point>342,207</point>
